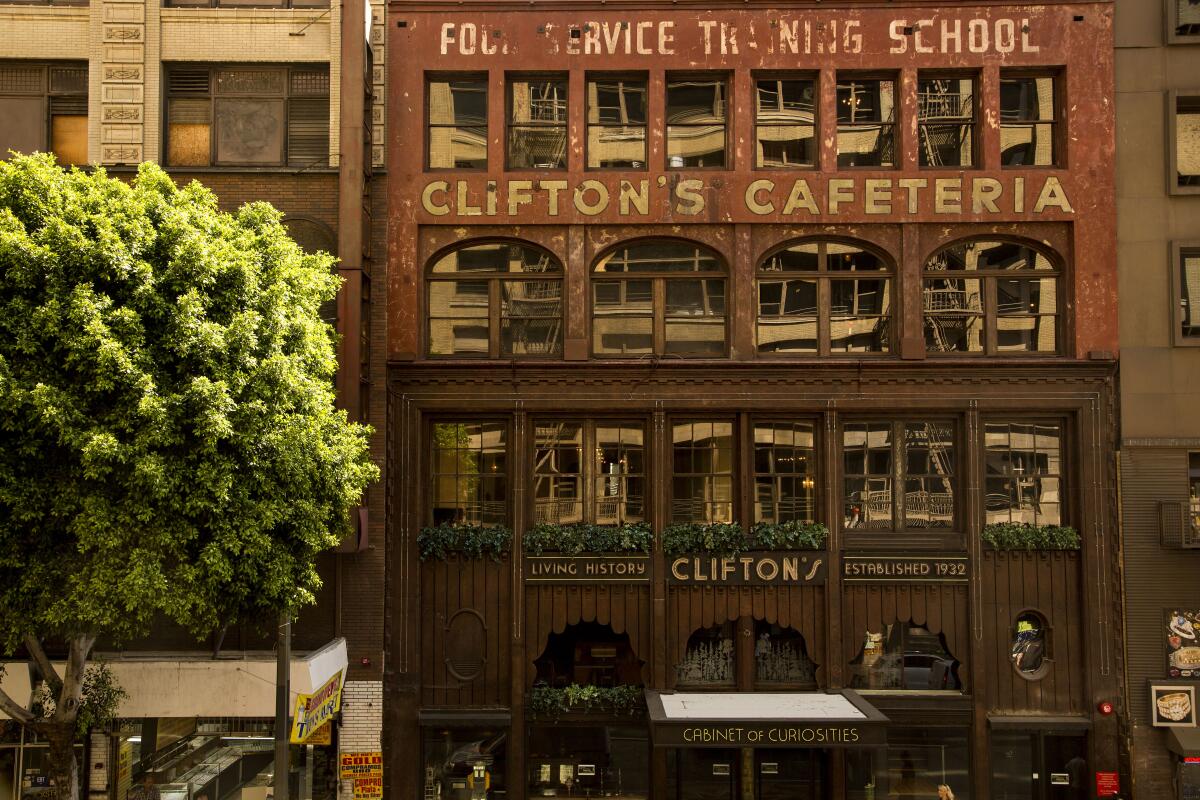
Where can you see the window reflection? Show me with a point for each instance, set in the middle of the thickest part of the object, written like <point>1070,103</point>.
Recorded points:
<point>573,458</point>
<point>616,123</point>
<point>465,763</point>
<point>785,123</point>
<point>785,472</point>
<point>537,124</point>
<point>470,480</point>
<point>702,479</point>
<point>696,122</point>
<point>946,121</point>
<point>904,655</point>
<point>1027,120</point>
<point>457,114</point>
<point>921,455</point>
<point>866,116</point>
<point>1023,472</point>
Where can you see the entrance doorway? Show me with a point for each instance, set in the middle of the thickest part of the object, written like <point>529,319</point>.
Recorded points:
<point>746,774</point>
<point>1038,765</point>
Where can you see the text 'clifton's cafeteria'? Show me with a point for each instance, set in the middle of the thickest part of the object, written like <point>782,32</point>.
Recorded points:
<point>784,36</point>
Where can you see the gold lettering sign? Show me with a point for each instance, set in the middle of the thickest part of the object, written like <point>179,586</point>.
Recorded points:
<point>589,569</point>
<point>748,569</point>
<point>798,200</point>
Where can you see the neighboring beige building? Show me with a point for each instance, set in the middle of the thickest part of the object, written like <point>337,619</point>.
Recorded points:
<point>253,102</point>
<point>1158,207</point>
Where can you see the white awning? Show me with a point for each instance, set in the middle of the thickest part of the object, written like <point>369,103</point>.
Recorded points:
<point>166,685</point>
<point>764,719</point>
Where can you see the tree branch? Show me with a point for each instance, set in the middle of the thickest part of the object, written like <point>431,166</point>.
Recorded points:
<point>67,707</point>
<point>34,646</point>
<point>14,709</point>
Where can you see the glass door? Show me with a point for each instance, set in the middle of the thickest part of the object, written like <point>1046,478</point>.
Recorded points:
<point>797,774</point>
<point>703,774</point>
<point>1035,765</point>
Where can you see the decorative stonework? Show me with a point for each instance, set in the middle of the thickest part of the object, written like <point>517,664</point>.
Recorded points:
<point>378,81</point>
<point>122,49</point>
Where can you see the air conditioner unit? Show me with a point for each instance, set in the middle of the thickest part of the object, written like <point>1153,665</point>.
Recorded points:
<point>1177,524</point>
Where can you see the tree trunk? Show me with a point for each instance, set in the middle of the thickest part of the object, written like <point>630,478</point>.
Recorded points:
<point>60,758</point>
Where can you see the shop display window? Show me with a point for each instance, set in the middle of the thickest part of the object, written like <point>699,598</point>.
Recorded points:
<point>781,658</point>
<point>703,773</point>
<point>1030,645</point>
<point>709,659</point>
<point>577,761</point>
<point>588,653</point>
<point>926,763</point>
<point>905,656</point>
<point>465,763</point>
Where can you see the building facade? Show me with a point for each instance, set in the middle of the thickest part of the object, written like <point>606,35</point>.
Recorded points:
<point>279,101</point>
<point>1158,259</point>
<point>727,343</point>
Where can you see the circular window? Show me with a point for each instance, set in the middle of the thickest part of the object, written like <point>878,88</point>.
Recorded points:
<point>1030,645</point>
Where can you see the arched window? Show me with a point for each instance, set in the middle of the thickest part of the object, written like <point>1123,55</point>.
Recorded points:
<point>1029,652</point>
<point>905,655</point>
<point>824,297</point>
<point>991,296</point>
<point>659,298</point>
<point>495,300</point>
<point>781,657</point>
<point>709,659</point>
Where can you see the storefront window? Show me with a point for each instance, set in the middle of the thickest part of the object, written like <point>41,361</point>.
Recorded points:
<point>702,773</point>
<point>589,761</point>
<point>588,654</point>
<point>785,472</point>
<point>469,473</point>
<point>1028,651</point>
<point>465,763</point>
<point>709,659</point>
<point>905,656</point>
<point>924,763</point>
<point>781,657</point>
<point>1030,765</point>
<point>702,485</point>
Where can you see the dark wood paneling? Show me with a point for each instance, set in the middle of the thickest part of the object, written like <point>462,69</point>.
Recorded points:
<point>478,587</point>
<point>942,609</point>
<point>550,609</point>
<point>1051,584</point>
<point>691,608</point>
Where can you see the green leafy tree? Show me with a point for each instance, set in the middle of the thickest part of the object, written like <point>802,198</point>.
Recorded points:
<point>169,445</point>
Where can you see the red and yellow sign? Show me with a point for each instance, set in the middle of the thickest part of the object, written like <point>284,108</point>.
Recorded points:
<point>366,771</point>
<point>316,709</point>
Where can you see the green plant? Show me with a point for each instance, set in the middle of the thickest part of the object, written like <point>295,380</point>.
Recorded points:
<point>473,541</point>
<point>794,535</point>
<point>1014,536</point>
<point>721,538</point>
<point>633,537</point>
<point>549,701</point>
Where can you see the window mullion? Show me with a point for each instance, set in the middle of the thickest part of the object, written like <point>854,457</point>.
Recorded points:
<point>587,471</point>
<point>824,292</point>
<point>494,318</point>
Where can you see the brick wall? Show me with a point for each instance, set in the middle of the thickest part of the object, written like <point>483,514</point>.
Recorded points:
<point>362,722</point>
<point>96,767</point>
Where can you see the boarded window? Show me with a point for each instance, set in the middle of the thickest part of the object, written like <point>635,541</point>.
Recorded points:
<point>43,108</point>
<point>248,116</point>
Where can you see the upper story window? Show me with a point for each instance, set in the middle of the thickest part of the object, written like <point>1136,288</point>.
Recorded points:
<point>497,300</point>
<point>945,120</point>
<point>456,114</point>
<point>1023,472</point>
<point>1184,18</point>
<point>246,3</point>
<point>248,116</point>
<point>1185,280</point>
<point>881,460</point>
<point>1028,117</point>
<point>785,123</point>
<point>993,297</point>
<point>1194,492</point>
<point>696,116</point>
<point>785,472</point>
<point>43,107</point>
<point>470,473</point>
<point>616,122</point>
<point>659,297</point>
<point>589,471</point>
<point>537,123</point>
<point>702,481</point>
<point>866,121</point>
<point>824,297</point>
<point>1184,131</point>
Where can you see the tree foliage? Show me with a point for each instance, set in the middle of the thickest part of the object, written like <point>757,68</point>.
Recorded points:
<point>168,438</point>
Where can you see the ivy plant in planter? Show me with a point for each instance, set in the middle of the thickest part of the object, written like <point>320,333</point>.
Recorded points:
<point>586,538</point>
<point>548,701</point>
<point>472,541</point>
<point>720,538</point>
<point>1013,536</point>
<point>794,535</point>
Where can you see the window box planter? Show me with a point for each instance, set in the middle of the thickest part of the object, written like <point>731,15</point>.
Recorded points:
<point>730,539</point>
<point>1031,537</point>
<point>573,540</point>
<point>467,541</point>
<point>577,702</point>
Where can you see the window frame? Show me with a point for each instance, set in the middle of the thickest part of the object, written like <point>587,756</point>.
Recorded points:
<point>428,126</point>
<point>818,472</point>
<point>1174,187</point>
<point>815,76</point>
<point>658,304</point>
<point>1180,249</point>
<point>1171,25</point>
<point>1058,123</point>
<point>952,75</point>
<point>598,77</point>
<point>1047,638</point>
<point>510,80</point>
<point>823,276</point>
<point>1066,510</point>
<point>727,83</point>
<point>737,469</point>
<point>900,536</point>
<point>989,313</point>
<point>212,96</point>
<point>495,317</point>
<point>589,475</point>
<point>47,93</point>
<point>430,449</point>
<point>896,125</point>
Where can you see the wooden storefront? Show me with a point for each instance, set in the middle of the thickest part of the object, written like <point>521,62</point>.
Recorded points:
<point>613,299</point>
